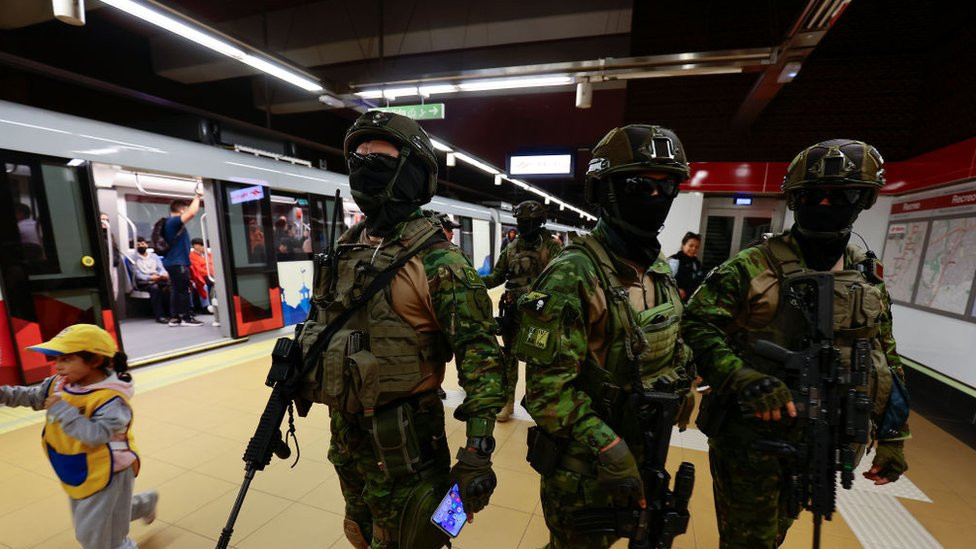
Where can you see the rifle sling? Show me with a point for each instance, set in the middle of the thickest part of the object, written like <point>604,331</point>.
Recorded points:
<point>382,280</point>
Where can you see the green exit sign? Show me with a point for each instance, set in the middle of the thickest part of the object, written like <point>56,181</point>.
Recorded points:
<point>428,111</point>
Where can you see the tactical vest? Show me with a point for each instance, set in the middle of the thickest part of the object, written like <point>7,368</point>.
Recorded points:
<point>82,469</point>
<point>525,262</point>
<point>859,311</point>
<point>651,337</point>
<point>375,358</point>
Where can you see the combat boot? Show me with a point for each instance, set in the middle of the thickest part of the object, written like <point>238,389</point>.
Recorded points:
<point>506,413</point>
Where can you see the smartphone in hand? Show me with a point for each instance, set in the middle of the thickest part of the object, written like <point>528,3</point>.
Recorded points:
<point>449,516</point>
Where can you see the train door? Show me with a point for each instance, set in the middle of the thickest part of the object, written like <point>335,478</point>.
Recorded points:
<point>727,228</point>
<point>301,227</point>
<point>52,258</point>
<point>247,239</point>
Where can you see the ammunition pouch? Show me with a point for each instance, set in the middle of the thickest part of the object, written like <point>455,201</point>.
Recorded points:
<point>711,415</point>
<point>416,531</point>
<point>406,438</point>
<point>544,451</point>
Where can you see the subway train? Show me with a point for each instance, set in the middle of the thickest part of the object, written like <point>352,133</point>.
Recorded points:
<point>80,192</point>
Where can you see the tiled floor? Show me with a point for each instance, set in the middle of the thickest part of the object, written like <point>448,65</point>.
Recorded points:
<point>194,417</point>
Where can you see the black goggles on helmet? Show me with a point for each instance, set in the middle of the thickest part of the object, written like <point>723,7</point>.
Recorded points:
<point>835,196</point>
<point>373,161</point>
<point>638,184</point>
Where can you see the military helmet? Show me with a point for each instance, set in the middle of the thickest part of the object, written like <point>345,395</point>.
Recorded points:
<point>836,162</point>
<point>634,148</point>
<point>403,132</point>
<point>529,209</point>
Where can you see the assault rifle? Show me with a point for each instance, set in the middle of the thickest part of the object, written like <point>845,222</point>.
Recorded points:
<point>287,367</point>
<point>832,407</point>
<point>666,515</point>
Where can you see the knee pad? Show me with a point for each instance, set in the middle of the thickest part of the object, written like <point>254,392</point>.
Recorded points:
<point>416,530</point>
<point>354,533</point>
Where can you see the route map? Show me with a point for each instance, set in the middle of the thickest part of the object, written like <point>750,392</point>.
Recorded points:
<point>902,254</point>
<point>949,265</point>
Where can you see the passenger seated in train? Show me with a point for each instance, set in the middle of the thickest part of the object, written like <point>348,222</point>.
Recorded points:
<point>150,276</point>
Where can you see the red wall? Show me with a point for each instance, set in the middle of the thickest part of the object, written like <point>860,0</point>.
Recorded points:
<point>940,167</point>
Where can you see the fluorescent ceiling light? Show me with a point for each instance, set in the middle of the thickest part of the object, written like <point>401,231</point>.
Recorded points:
<point>475,162</point>
<point>513,83</point>
<point>393,93</point>
<point>180,28</point>
<point>440,146</point>
<point>370,94</point>
<point>279,72</point>
<point>498,179</point>
<point>438,88</point>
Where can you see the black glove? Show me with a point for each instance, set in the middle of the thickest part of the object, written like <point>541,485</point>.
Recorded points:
<point>617,475</point>
<point>474,477</point>
<point>759,392</point>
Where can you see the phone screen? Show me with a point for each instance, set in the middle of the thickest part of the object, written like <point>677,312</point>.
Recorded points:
<point>450,515</point>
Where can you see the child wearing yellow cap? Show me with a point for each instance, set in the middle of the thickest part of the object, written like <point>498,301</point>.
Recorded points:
<point>88,434</point>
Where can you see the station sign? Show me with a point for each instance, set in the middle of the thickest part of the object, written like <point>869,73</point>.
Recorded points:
<point>247,194</point>
<point>540,164</point>
<point>426,111</point>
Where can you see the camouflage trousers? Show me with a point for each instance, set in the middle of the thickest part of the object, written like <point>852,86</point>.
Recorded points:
<point>563,493</point>
<point>375,502</point>
<point>750,504</point>
<point>509,330</point>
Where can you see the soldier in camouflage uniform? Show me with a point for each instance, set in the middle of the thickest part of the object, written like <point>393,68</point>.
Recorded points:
<point>381,369</point>
<point>827,185</point>
<point>605,307</point>
<point>518,266</point>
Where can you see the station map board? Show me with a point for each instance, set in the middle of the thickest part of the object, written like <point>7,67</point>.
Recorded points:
<point>930,251</point>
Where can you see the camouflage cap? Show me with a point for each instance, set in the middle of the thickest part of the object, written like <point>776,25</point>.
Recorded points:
<point>636,147</point>
<point>836,162</point>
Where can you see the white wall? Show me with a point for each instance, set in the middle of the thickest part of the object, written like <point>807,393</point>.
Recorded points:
<point>872,224</point>
<point>685,215</point>
<point>944,344</point>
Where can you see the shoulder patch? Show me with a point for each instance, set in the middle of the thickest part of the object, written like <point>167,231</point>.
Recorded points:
<point>535,300</point>
<point>537,337</point>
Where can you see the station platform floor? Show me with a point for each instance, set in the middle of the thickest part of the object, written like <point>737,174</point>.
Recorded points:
<point>194,416</point>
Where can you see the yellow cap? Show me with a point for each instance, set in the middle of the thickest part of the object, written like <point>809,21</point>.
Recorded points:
<point>79,337</point>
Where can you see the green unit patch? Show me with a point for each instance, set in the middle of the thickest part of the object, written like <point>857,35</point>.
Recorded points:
<point>537,337</point>
<point>472,275</point>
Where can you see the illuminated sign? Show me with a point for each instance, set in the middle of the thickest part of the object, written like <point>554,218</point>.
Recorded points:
<point>743,201</point>
<point>247,194</point>
<point>540,164</point>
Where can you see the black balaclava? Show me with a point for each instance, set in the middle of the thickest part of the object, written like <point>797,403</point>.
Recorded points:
<point>384,214</point>
<point>636,218</point>
<point>823,231</point>
<point>528,228</point>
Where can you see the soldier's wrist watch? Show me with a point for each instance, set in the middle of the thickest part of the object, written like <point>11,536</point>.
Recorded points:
<point>481,446</point>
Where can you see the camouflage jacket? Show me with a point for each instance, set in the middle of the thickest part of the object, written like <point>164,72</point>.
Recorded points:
<point>462,311</point>
<point>570,303</point>
<point>502,270</point>
<point>726,301</point>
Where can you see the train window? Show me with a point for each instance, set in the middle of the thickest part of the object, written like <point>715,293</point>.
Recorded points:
<point>32,219</point>
<point>144,211</point>
<point>247,232</point>
<point>322,222</point>
<point>255,301</point>
<point>292,229</point>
